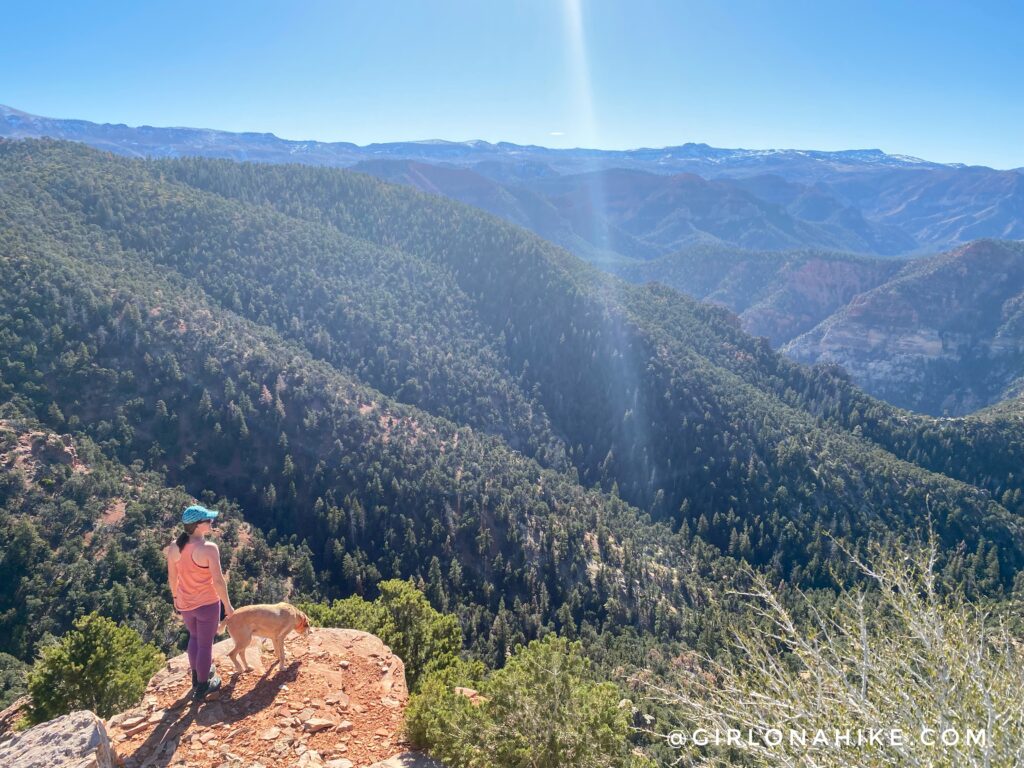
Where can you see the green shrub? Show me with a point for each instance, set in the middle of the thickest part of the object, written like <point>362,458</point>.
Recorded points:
<point>544,709</point>
<point>425,639</point>
<point>98,666</point>
<point>351,612</point>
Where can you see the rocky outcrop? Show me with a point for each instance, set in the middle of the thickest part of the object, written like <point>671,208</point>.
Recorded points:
<point>943,334</point>
<point>78,740</point>
<point>776,295</point>
<point>806,292</point>
<point>10,717</point>
<point>34,454</point>
<point>946,336</point>
<point>338,703</point>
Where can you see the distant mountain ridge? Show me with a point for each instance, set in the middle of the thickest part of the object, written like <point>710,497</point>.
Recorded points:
<point>173,141</point>
<point>863,201</point>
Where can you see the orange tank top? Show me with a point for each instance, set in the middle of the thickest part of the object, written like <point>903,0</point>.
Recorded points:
<point>195,584</point>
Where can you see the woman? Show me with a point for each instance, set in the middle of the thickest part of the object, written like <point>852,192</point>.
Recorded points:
<point>198,586</point>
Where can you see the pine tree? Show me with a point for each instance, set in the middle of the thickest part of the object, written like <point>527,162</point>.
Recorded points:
<point>99,666</point>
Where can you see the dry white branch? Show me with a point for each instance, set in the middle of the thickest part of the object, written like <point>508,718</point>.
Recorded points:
<point>898,656</point>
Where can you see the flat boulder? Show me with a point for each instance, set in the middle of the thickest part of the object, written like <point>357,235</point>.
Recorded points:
<point>77,740</point>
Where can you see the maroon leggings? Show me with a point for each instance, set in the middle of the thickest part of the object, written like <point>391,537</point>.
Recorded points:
<point>202,624</point>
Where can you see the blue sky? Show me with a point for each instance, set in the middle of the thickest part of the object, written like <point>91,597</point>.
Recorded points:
<point>937,80</point>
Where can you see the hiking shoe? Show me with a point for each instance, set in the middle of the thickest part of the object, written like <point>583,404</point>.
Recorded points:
<point>202,689</point>
<point>195,677</point>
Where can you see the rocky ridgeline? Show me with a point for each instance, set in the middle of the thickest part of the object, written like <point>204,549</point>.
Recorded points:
<point>338,703</point>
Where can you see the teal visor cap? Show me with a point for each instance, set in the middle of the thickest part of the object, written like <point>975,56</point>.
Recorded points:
<point>195,514</point>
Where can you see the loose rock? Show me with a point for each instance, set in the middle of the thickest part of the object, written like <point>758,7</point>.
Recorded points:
<point>317,724</point>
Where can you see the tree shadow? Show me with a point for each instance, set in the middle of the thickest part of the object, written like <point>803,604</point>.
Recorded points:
<point>159,747</point>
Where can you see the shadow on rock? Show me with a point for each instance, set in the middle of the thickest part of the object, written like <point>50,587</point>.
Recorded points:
<point>219,708</point>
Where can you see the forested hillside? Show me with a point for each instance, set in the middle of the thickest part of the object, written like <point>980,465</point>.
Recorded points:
<point>101,341</point>
<point>617,338</point>
<point>390,384</point>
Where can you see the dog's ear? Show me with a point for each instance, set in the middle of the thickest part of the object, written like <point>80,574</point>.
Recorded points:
<point>303,624</point>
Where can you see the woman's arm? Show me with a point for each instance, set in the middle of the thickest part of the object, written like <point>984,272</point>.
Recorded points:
<point>220,585</point>
<point>172,571</point>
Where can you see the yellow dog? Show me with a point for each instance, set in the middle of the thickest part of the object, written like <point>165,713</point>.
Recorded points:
<point>272,621</point>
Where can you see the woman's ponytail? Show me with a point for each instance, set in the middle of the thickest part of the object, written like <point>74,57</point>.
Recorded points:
<point>183,538</point>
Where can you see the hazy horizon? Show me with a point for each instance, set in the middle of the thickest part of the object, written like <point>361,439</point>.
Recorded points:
<point>937,82</point>
<point>443,140</point>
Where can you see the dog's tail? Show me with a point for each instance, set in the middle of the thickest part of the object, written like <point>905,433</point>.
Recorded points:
<point>220,627</point>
